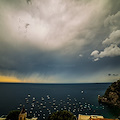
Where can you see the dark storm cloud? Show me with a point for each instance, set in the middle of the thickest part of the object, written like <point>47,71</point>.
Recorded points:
<point>112,41</point>
<point>52,40</point>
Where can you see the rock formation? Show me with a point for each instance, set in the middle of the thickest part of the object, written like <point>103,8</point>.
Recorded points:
<point>112,95</point>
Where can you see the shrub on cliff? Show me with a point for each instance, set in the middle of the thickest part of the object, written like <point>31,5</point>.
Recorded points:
<point>62,115</point>
<point>114,87</point>
<point>13,115</point>
<point>112,95</point>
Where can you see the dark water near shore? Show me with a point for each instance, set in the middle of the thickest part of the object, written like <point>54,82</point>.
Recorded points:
<point>40,100</point>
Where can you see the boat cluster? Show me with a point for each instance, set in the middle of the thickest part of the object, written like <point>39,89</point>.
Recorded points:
<point>46,105</point>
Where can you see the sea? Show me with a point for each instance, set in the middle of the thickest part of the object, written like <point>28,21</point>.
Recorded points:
<point>41,100</point>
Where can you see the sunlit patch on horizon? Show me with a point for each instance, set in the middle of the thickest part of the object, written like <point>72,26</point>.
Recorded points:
<point>9,79</point>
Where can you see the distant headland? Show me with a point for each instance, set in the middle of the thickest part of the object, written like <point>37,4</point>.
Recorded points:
<point>112,95</point>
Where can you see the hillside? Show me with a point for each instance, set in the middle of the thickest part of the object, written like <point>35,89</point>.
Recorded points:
<point>112,95</point>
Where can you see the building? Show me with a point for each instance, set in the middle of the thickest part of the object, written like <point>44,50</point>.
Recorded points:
<point>23,115</point>
<point>92,117</point>
<point>103,119</point>
<point>88,117</point>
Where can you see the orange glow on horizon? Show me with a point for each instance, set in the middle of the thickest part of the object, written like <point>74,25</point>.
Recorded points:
<point>9,79</point>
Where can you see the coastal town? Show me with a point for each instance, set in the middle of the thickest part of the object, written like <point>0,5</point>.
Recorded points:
<point>23,116</point>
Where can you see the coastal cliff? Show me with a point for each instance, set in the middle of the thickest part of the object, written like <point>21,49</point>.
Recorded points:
<point>112,95</point>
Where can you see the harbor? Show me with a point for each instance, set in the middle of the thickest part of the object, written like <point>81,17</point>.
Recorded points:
<point>45,99</point>
<point>47,105</point>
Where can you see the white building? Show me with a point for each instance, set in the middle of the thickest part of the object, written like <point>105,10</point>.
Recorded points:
<point>87,117</point>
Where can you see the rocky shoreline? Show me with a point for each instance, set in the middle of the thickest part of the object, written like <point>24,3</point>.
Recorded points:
<point>112,95</point>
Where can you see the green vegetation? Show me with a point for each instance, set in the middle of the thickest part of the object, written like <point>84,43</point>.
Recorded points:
<point>114,87</point>
<point>13,115</point>
<point>112,95</point>
<point>62,115</point>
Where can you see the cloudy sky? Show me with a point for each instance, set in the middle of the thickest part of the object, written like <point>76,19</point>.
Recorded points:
<point>59,41</point>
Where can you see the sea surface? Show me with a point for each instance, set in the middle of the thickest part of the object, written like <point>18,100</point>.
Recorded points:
<point>41,100</point>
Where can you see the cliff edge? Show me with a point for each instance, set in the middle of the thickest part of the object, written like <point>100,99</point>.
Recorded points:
<point>112,95</point>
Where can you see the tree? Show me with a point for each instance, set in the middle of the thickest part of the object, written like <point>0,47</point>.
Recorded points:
<point>13,115</point>
<point>62,115</point>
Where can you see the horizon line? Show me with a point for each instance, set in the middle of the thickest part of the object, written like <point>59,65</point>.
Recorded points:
<point>53,83</point>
